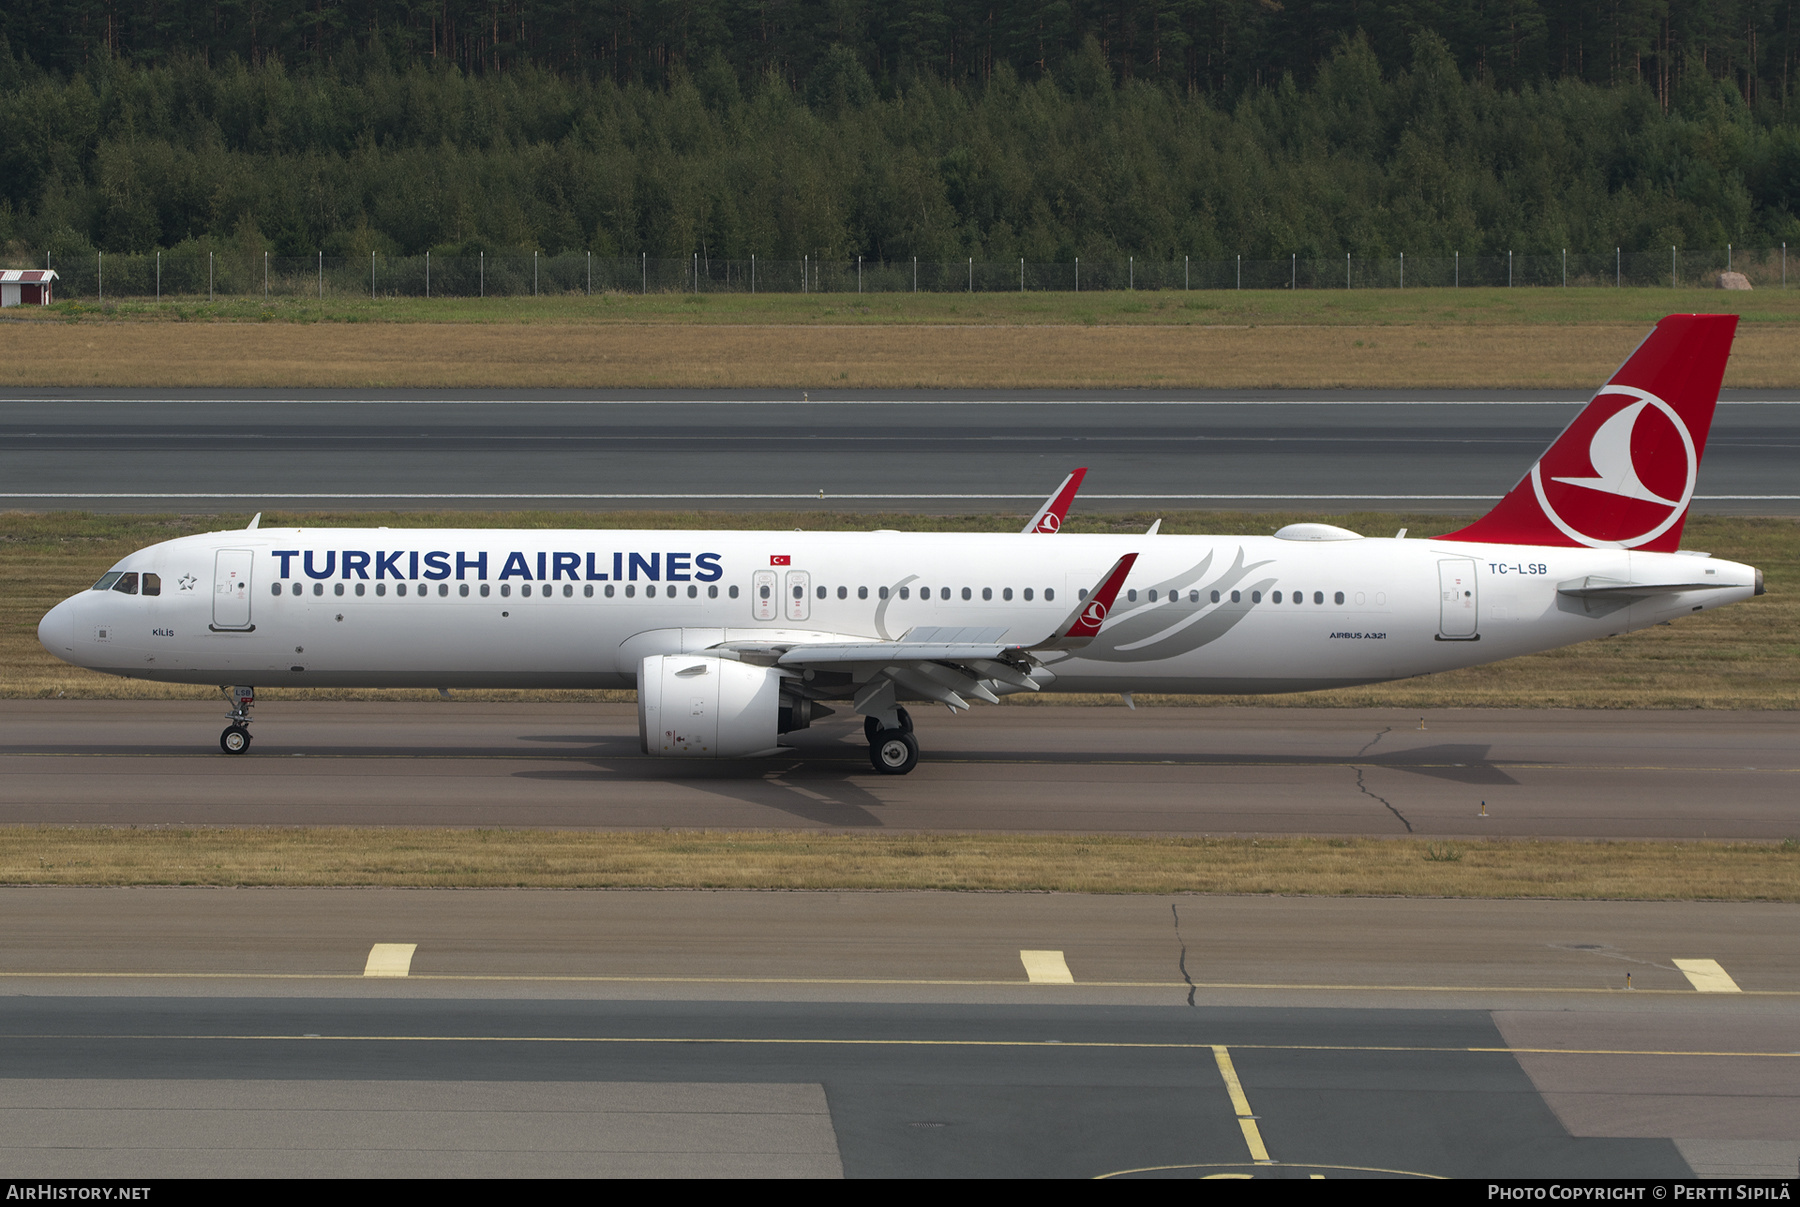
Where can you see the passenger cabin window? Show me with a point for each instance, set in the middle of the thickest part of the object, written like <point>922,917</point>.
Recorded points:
<point>862,593</point>
<point>732,592</point>
<point>1049,593</point>
<point>712,592</point>
<point>1339,597</point>
<point>152,584</point>
<point>274,588</point>
<point>484,590</point>
<point>318,588</point>
<point>337,588</point>
<point>296,588</point>
<point>1027,594</point>
<point>1276,597</point>
<point>1006,593</point>
<point>359,589</point>
<point>843,592</point>
<point>881,592</point>
<point>1215,597</point>
<point>609,591</point>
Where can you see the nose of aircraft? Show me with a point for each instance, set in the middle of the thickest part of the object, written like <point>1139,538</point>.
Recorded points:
<point>56,631</point>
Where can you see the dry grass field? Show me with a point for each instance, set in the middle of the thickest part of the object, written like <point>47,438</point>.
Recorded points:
<point>1374,339</point>
<point>1034,863</point>
<point>1747,656</point>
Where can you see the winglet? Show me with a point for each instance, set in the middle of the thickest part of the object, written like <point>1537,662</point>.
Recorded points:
<point>255,522</point>
<point>1050,516</point>
<point>1080,626</point>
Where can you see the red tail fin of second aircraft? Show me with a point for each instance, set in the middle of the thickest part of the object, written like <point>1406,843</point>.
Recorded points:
<point>1622,474</point>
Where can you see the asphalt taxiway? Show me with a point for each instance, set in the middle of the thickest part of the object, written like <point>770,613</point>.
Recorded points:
<point>910,451</point>
<point>190,1032</point>
<point>1539,773</point>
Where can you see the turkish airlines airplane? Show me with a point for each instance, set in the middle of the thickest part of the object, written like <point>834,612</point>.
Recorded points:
<point>733,639</point>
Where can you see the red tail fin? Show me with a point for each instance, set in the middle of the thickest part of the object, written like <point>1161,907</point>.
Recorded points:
<point>1621,476</point>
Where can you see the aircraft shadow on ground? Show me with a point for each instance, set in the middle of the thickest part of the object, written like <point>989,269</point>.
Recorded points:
<point>828,781</point>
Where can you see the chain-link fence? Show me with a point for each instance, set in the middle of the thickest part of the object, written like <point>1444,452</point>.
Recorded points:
<point>191,275</point>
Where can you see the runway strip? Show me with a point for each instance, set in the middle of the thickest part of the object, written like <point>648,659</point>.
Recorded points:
<point>933,451</point>
<point>1540,773</point>
<point>185,1032</point>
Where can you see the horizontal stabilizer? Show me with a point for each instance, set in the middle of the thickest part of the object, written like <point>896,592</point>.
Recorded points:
<point>1596,587</point>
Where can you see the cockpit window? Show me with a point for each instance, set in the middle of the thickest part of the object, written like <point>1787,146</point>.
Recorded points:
<point>107,580</point>
<point>127,584</point>
<point>152,584</point>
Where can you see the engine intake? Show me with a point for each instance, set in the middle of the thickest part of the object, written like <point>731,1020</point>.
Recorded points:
<point>702,706</point>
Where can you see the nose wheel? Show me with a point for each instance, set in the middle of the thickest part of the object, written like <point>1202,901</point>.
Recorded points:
<point>236,738</point>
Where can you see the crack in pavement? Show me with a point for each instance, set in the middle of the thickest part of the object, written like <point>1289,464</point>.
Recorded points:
<point>1371,743</point>
<point>1387,804</point>
<point>1181,963</point>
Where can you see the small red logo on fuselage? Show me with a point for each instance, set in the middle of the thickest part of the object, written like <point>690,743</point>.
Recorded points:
<point>780,559</point>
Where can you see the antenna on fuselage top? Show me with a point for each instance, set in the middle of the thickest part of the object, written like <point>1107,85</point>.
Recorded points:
<point>254,521</point>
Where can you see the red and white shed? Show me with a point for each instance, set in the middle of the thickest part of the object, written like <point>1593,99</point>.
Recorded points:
<point>25,286</point>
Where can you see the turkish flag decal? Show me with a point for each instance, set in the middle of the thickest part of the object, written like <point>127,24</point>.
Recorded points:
<point>780,559</point>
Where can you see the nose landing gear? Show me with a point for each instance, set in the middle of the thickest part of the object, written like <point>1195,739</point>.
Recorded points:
<point>236,738</point>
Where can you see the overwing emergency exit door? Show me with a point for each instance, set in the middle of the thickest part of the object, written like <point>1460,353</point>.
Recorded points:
<point>1457,601</point>
<point>798,595</point>
<point>231,589</point>
<point>763,604</point>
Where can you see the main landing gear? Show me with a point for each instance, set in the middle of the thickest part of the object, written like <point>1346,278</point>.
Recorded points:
<point>236,738</point>
<point>892,751</point>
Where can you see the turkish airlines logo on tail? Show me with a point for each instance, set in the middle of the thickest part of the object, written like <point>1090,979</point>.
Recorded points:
<point>1622,475</point>
<point>1050,523</point>
<point>1094,614</point>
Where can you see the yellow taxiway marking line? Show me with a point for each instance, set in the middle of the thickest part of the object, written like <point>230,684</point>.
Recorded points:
<point>1245,1116</point>
<point>1183,986</point>
<point>1144,1045</point>
<point>1046,968</point>
<point>1707,977</point>
<point>390,959</point>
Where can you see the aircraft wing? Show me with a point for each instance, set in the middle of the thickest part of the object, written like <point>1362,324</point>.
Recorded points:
<point>952,664</point>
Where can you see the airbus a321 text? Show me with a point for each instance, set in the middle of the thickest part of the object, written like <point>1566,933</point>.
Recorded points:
<point>733,639</point>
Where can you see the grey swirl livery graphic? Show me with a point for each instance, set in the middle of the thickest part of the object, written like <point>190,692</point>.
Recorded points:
<point>1146,632</point>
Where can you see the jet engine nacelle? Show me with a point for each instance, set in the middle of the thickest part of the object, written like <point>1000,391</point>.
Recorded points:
<point>702,706</point>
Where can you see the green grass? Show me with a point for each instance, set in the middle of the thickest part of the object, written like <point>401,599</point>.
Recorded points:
<point>1203,308</point>
<point>449,858</point>
<point>1745,656</point>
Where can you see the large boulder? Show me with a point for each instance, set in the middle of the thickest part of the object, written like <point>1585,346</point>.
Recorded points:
<point>1732,280</point>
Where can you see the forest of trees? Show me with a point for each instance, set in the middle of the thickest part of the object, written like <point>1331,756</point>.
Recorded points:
<point>924,127</point>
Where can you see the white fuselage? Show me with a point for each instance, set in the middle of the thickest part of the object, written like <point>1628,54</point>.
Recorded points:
<point>322,607</point>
